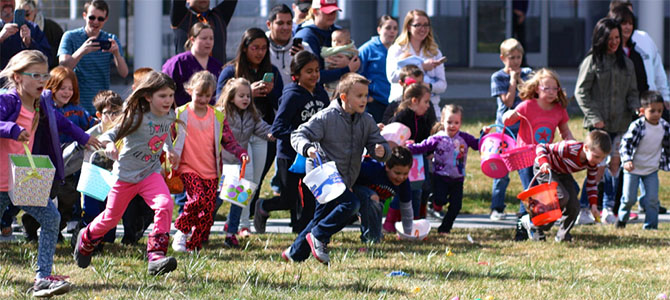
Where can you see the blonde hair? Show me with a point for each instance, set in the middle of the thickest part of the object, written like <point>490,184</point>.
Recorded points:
<point>428,44</point>
<point>201,82</point>
<point>510,45</point>
<point>226,102</point>
<point>19,63</point>
<point>347,81</point>
<point>414,90</point>
<point>528,89</point>
<point>446,110</point>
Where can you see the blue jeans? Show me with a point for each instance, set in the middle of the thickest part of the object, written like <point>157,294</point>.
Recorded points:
<point>49,219</point>
<point>328,220</point>
<point>371,214</point>
<point>180,200</point>
<point>609,191</point>
<point>8,215</point>
<point>233,217</point>
<point>500,187</point>
<point>629,198</point>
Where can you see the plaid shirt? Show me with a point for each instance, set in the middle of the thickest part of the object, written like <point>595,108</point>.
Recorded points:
<point>631,139</point>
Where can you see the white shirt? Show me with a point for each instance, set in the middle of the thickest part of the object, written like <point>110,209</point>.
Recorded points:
<point>648,154</point>
<point>653,63</point>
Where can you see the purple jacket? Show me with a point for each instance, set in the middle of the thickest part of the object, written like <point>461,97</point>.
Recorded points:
<point>450,153</point>
<point>46,135</point>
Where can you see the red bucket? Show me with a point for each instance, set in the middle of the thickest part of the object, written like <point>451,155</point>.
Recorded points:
<point>541,202</point>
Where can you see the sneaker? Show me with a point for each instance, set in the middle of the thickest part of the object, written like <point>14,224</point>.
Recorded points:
<point>496,215</point>
<point>530,228</point>
<point>285,255</point>
<point>163,265</point>
<point>83,250</point>
<point>319,249</point>
<point>6,231</point>
<point>260,217</point>
<point>662,210</point>
<point>566,238</point>
<point>607,216</point>
<point>520,232</point>
<point>244,232</point>
<point>179,241</point>
<point>633,216</point>
<point>50,286</point>
<point>231,242</point>
<point>620,224</point>
<point>436,211</point>
<point>585,217</point>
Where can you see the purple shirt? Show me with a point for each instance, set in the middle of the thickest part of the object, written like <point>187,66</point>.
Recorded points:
<point>450,153</point>
<point>181,67</point>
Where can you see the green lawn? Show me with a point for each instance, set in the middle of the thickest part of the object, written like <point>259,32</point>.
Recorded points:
<point>601,263</point>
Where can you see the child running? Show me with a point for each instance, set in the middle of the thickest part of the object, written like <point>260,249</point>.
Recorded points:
<point>244,121</point>
<point>339,133</point>
<point>198,144</point>
<point>451,152</point>
<point>144,127</point>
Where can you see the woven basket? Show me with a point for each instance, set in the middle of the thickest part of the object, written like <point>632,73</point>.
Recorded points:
<point>519,158</point>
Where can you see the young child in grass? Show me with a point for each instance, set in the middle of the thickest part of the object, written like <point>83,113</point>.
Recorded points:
<point>339,133</point>
<point>562,159</point>
<point>451,152</point>
<point>645,148</point>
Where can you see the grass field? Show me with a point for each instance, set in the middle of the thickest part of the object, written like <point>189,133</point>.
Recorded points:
<point>601,263</point>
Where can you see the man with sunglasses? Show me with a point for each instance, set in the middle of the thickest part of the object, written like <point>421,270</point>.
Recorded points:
<point>183,16</point>
<point>89,51</point>
<point>17,37</point>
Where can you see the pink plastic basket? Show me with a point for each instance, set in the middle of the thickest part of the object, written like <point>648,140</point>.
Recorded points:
<point>519,158</point>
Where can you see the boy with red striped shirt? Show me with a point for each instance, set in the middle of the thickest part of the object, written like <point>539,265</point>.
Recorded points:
<point>562,159</point>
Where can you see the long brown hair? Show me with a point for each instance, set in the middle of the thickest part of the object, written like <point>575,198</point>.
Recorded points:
<point>226,103</point>
<point>137,105</point>
<point>241,62</point>
<point>19,63</point>
<point>528,89</point>
<point>58,75</point>
<point>428,44</point>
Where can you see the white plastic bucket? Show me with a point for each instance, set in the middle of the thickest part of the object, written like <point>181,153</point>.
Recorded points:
<point>95,181</point>
<point>420,230</point>
<point>325,182</point>
<point>397,133</point>
<point>236,189</point>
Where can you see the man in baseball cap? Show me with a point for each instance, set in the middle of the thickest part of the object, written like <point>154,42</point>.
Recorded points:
<point>326,6</point>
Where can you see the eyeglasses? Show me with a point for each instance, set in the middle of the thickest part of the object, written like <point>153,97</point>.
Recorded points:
<point>420,25</point>
<point>549,89</point>
<point>37,76</point>
<point>111,113</point>
<point>257,48</point>
<point>100,19</point>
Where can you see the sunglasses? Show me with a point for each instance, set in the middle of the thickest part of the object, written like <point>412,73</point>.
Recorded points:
<point>100,19</point>
<point>37,76</point>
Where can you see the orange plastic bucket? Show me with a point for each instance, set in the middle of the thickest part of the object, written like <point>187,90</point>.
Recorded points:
<point>541,202</point>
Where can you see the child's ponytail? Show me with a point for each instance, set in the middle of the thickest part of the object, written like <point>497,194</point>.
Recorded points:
<point>19,63</point>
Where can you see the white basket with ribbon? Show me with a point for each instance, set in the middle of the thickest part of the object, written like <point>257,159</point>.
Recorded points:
<point>236,189</point>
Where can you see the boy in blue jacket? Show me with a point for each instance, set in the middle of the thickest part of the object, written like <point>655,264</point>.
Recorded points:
<point>340,132</point>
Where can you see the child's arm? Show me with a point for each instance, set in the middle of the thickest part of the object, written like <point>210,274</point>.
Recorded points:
<point>542,157</point>
<point>11,130</point>
<point>427,145</point>
<point>628,145</point>
<point>508,97</point>
<point>564,129</point>
<point>510,117</point>
<point>304,138</point>
<point>230,144</point>
<point>377,146</point>
<point>470,140</point>
<point>67,127</point>
<point>281,127</point>
<point>263,130</point>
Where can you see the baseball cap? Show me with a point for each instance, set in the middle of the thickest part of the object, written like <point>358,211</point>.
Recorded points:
<point>326,6</point>
<point>303,5</point>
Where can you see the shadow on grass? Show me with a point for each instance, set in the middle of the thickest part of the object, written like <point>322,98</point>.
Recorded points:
<point>593,240</point>
<point>477,272</point>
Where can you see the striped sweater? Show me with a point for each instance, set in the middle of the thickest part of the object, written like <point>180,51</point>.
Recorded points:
<point>563,157</point>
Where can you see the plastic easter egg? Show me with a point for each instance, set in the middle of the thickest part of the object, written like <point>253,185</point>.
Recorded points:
<point>662,296</point>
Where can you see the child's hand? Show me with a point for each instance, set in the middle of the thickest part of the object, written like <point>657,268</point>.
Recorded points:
<point>271,137</point>
<point>595,212</point>
<point>380,126</point>
<point>110,151</point>
<point>93,143</point>
<point>486,129</point>
<point>174,159</point>
<point>311,152</point>
<point>409,142</point>
<point>379,150</point>
<point>24,136</point>
<point>544,168</point>
<point>628,166</point>
<point>244,158</point>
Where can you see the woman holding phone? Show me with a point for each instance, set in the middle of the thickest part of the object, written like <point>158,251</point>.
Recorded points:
<point>416,45</point>
<point>196,58</point>
<point>252,63</point>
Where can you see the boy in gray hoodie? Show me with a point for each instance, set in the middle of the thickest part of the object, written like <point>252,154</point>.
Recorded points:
<point>340,132</point>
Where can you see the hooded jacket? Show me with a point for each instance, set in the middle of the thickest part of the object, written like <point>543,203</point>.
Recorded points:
<point>281,57</point>
<point>296,106</point>
<point>243,126</point>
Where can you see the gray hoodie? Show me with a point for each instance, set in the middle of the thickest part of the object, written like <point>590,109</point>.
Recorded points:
<point>243,127</point>
<point>340,137</point>
<point>280,57</point>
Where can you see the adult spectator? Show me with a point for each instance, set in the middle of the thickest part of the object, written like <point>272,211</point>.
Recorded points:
<point>416,45</point>
<point>52,31</point>
<point>81,51</point>
<point>252,63</point>
<point>14,39</point>
<point>183,17</point>
<point>606,91</point>
<point>316,31</point>
<point>300,11</point>
<point>373,65</point>
<point>281,40</point>
<point>196,58</point>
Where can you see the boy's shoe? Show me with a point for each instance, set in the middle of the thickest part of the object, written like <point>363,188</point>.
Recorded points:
<point>260,217</point>
<point>244,232</point>
<point>607,216</point>
<point>662,210</point>
<point>633,216</point>
<point>436,211</point>
<point>50,286</point>
<point>162,265</point>
<point>84,248</point>
<point>566,238</point>
<point>497,216</point>
<point>179,241</point>
<point>286,256</point>
<point>6,231</point>
<point>392,216</point>
<point>231,242</point>
<point>520,232</point>
<point>530,228</point>
<point>585,217</point>
<point>620,224</point>
<point>319,249</point>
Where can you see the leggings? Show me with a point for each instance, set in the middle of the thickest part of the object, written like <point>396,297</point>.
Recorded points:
<point>201,195</point>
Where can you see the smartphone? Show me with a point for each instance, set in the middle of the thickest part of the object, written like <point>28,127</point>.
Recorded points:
<point>297,42</point>
<point>104,44</point>
<point>442,60</point>
<point>268,77</point>
<point>20,17</point>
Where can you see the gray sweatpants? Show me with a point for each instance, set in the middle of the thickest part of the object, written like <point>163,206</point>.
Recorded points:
<point>567,198</point>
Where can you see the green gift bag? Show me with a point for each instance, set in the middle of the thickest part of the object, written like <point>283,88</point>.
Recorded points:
<point>30,178</point>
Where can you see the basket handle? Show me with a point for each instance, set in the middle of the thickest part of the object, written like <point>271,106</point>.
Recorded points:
<point>33,173</point>
<point>530,126</point>
<point>90,158</point>
<point>243,169</point>
<point>504,128</point>
<point>535,177</point>
<point>318,158</point>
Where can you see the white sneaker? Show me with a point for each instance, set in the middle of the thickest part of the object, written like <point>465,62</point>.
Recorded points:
<point>585,217</point>
<point>530,228</point>
<point>607,216</point>
<point>179,241</point>
<point>497,216</point>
